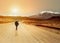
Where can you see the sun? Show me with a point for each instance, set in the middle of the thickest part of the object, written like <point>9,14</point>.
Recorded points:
<point>14,11</point>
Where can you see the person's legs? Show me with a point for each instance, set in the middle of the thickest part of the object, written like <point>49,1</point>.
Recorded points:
<point>16,27</point>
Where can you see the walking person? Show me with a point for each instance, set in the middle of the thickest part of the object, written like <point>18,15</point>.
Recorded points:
<point>16,24</point>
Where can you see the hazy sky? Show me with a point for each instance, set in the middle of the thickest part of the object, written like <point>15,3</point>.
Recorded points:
<point>28,7</point>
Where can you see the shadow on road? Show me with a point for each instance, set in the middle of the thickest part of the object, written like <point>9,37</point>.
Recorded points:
<point>49,27</point>
<point>16,33</point>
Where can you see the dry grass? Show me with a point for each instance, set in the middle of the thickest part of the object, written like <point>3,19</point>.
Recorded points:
<point>27,20</point>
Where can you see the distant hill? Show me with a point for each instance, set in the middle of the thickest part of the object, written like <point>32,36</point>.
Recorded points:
<point>45,15</point>
<point>40,16</point>
<point>55,18</point>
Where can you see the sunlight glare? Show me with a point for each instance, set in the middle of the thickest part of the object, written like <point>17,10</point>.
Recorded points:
<point>14,11</point>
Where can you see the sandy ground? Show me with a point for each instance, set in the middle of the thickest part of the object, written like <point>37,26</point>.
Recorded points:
<point>27,34</point>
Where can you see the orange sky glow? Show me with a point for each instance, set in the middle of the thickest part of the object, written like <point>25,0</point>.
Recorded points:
<point>26,7</point>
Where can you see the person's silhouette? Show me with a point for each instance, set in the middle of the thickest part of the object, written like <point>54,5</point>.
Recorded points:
<point>16,24</point>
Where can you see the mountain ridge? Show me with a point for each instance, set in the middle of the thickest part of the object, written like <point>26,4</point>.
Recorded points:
<point>45,15</point>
